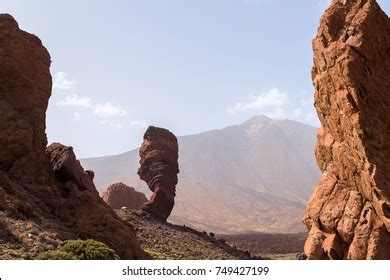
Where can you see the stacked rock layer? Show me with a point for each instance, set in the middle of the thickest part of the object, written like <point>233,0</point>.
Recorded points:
<point>159,168</point>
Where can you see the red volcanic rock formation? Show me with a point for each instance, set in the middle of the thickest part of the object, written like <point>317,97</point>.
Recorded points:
<point>25,88</point>
<point>120,195</point>
<point>45,195</point>
<point>159,169</point>
<point>349,213</point>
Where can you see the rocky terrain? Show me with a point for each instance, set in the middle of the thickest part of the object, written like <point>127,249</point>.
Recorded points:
<point>269,245</point>
<point>165,241</point>
<point>120,195</point>
<point>49,205</point>
<point>46,197</point>
<point>252,177</point>
<point>349,213</point>
<point>256,176</point>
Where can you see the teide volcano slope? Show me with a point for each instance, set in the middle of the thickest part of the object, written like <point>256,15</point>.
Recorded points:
<point>256,176</point>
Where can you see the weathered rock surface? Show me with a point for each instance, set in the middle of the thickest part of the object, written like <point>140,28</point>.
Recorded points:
<point>159,168</point>
<point>120,195</point>
<point>25,88</point>
<point>45,195</point>
<point>348,215</point>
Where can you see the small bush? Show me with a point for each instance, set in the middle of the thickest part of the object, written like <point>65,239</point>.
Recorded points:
<point>56,255</point>
<point>212,234</point>
<point>81,250</point>
<point>154,255</point>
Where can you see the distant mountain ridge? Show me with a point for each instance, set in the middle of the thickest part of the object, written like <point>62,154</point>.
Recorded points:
<point>256,176</point>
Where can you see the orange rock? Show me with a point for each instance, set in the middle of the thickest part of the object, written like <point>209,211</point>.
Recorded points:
<point>350,209</point>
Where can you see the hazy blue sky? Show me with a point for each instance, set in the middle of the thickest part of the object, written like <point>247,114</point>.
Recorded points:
<point>189,66</point>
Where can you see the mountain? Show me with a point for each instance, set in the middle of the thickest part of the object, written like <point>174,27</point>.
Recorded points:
<point>256,176</point>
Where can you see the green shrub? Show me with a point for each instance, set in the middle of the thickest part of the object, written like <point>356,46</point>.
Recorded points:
<point>154,255</point>
<point>81,250</point>
<point>55,255</point>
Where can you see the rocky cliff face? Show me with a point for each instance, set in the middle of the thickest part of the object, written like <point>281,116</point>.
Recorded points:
<point>45,195</point>
<point>159,168</point>
<point>120,195</point>
<point>349,213</point>
<point>25,88</point>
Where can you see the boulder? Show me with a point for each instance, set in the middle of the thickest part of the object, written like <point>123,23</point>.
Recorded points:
<point>120,195</point>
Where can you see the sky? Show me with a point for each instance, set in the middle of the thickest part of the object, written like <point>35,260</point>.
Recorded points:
<point>186,65</point>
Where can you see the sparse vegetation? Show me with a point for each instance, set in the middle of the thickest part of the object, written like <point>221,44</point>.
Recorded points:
<point>81,250</point>
<point>154,255</point>
<point>56,255</point>
<point>164,241</point>
<point>271,245</point>
<point>10,252</point>
<point>192,258</point>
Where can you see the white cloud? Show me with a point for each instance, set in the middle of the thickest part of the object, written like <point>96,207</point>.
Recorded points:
<point>119,125</point>
<point>102,122</point>
<point>106,113</point>
<point>76,116</point>
<point>116,125</point>
<point>278,104</point>
<point>273,98</point>
<point>76,101</point>
<point>112,124</point>
<point>140,124</point>
<point>106,110</point>
<point>61,82</point>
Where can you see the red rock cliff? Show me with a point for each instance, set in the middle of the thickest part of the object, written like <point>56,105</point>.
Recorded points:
<point>25,88</point>
<point>45,195</point>
<point>348,215</point>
